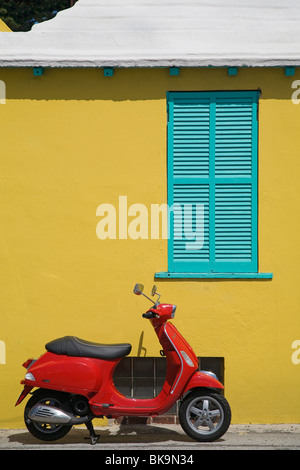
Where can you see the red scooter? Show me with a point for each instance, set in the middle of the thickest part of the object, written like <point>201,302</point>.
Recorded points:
<point>74,381</point>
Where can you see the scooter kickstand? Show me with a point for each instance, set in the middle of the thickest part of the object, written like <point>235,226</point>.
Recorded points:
<point>94,437</point>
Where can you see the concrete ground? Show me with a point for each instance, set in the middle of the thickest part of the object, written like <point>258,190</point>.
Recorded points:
<point>157,438</point>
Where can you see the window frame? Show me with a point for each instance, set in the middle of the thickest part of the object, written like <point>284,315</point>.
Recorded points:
<point>248,270</point>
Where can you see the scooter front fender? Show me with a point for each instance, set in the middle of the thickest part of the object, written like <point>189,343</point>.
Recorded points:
<point>202,379</point>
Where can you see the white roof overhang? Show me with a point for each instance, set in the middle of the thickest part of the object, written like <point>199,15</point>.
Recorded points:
<point>161,33</point>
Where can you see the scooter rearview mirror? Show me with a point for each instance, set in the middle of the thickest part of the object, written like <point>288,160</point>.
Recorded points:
<point>138,289</point>
<point>153,292</point>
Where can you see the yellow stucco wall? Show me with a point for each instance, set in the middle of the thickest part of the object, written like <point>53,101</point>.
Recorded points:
<point>73,139</point>
<point>3,27</point>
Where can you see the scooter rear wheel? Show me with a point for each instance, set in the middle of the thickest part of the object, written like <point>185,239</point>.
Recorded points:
<point>205,416</point>
<point>46,431</point>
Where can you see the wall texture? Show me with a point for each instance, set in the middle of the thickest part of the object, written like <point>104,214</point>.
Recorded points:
<point>74,139</point>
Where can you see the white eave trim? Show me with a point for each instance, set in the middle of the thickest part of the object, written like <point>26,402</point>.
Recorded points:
<point>90,61</point>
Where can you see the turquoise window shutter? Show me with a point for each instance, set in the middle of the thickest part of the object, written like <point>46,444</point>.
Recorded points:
<point>212,181</point>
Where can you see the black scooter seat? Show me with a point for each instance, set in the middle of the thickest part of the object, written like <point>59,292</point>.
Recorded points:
<point>73,346</point>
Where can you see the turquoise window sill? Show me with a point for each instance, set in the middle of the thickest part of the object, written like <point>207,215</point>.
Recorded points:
<point>167,275</point>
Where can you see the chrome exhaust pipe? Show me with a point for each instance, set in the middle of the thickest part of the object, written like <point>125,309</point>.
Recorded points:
<point>52,415</point>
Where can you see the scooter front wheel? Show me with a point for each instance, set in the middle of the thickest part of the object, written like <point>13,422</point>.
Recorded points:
<point>205,416</point>
<point>46,431</point>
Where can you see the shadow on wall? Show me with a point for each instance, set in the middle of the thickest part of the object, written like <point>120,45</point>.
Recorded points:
<point>142,84</point>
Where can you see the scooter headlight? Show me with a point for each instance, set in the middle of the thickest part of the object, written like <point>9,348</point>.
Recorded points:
<point>173,311</point>
<point>29,376</point>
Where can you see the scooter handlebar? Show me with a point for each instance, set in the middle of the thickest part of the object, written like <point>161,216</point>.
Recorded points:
<point>149,315</point>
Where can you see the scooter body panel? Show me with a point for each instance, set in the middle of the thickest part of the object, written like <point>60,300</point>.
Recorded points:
<point>93,378</point>
<point>81,375</point>
<point>177,351</point>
